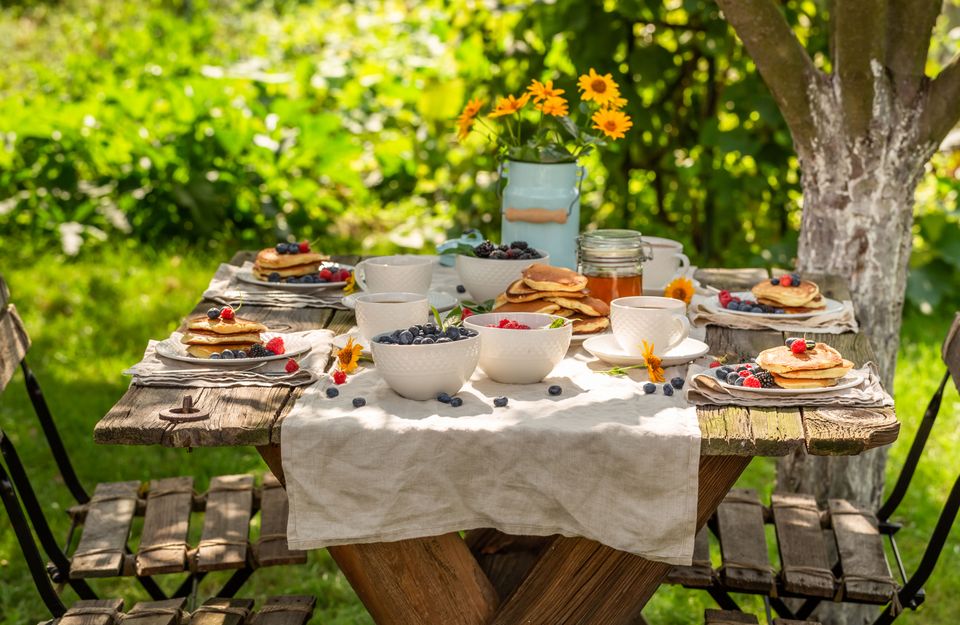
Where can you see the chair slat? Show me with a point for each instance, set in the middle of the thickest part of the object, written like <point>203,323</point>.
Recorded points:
<point>222,612</point>
<point>163,542</point>
<point>14,343</point>
<point>803,551</point>
<point>167,612</point>
<point>291,610</point>
<point>103,542</point>
<point>728,617</point>
<point>743,545</point>
<point>92,612</point>
<point>271,547</point>
<point>866,575</point>
<point>700,573</point>
<point>226,524</point>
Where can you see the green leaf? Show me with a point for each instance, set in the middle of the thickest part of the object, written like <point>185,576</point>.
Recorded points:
<point>461,249</point>
<point>557,323</point>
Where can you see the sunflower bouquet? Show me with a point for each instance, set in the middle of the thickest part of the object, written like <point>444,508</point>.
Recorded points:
<point>547,132</point>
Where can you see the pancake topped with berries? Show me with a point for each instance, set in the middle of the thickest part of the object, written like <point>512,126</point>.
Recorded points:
<point>784,359</point>
<point>542,277</point>
<point>293,255</point>
<point>219,326</point>
<point>787,290</point>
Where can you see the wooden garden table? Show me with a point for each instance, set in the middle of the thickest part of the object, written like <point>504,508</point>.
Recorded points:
<point>490,577</point>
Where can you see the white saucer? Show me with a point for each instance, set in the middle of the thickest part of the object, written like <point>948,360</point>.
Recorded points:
<point>438,299</point>
<point>606,348</point>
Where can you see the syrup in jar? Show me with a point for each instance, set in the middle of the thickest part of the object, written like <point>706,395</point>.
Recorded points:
<point>612,261</point>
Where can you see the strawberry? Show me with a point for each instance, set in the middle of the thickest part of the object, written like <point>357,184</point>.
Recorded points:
<point>291,366</point>
<point>785,280</point>
<point>798,347</point>
<point>752,382</point>
<point>326,274</point>
<point>227,313</point>
<point>466,313</point>
<point>276,345</point>
<point>339,377</point>
<point>304,247</point>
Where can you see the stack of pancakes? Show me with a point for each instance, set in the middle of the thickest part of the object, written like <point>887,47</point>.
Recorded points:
<point>205,336</point>
<point>815,368</point>
<point>792,299</point>
<point>556,291</point>
<point>286,265</point>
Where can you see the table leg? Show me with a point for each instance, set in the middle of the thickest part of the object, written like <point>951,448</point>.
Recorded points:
<point>271,455</point>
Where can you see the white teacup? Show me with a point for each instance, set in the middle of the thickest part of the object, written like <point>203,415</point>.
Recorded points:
<point>667,262</point>
<point>398,273</point>
<point>658,320</point>
<point>384,312</point>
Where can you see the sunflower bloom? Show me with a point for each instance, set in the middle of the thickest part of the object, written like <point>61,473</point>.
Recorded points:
<point>654,370</point>
<point>681,289</point>
<point>612,123</point>
<point>555,106</point>
<point>467,117</point>
<point>542,91</point>
<point>600,89</point>
<point>510,105</point>
<point>349,356</point>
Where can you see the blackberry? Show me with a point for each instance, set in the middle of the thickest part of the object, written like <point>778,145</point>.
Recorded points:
<point>520,245</point>
<point>503,247</point>
<point>766,378</point>
<point>483,250</point>
<point>498,254</point>
<point>258,351</point>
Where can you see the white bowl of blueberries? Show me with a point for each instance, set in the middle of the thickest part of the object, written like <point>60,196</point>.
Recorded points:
<point>492,268</point>
<point>425,360</point>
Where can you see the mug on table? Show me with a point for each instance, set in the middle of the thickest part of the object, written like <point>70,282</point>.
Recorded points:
<point>397,273</point>
<point>384,312</point>
<point>661,321</point>
<point>666,262</point>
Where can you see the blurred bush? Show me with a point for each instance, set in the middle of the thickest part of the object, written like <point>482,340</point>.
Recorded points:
<point>226,123</point>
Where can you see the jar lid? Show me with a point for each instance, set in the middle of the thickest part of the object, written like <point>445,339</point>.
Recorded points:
<point>610,245</point>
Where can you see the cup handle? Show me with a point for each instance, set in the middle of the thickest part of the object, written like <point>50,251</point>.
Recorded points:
<point>358,276</point>
<point>683,333</point>
<point>684,263</point>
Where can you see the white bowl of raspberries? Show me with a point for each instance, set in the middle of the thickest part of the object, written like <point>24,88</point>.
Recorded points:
<point>492,268</point>
<point>520,348</point>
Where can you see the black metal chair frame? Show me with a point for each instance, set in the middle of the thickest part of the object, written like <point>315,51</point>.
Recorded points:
<point>59,567</point>
<point>910,594</point>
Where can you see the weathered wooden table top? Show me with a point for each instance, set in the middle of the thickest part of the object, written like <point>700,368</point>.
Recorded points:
<point>245,416</point>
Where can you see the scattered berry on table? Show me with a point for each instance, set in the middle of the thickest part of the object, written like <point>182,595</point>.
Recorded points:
<point>303,247</point>
<point>715,364</point>
<point>274,277</point>
<point>339,377</point>
<point>798,347</point>
<point>455,402</point>
<point>227,354</point>
<point>444,397</point>
<point>677,383</point>
<point>291,366</point>
<point>751,382</point>
<point>649,388</point>
<point>332,392</point>
<point>732,377</point>
<point>461,288</point>
<point>276,345</point>
<point>786,280</point>
<point>359,402</point>
<point>226,314</point>
<point>667,390</point>
<point>499,402</point>
<point>213,313</point>
<point>554,390</point>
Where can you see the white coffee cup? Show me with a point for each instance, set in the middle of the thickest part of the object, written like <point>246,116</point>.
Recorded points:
<point>667,262</point>
<point>385,312</point>
<point>398,273</point>
<point>658,320</point>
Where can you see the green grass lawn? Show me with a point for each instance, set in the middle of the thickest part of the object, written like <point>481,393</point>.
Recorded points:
<point>91,319</point>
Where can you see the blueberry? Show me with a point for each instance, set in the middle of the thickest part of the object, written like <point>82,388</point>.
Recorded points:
<point>756,309</point>
<point>274,277</point>
<point>427,340</point>
<point>213,313</point>
<point>649,388</point>
<point>795,281</point>
<point>452,333</point>
<point>811,344</point>
<point>677,383</point>
<point>461,288</point>
<point>332,392</point>
<point>778,311</point>
<point>414,330</point>
<point>429,328</point>
<point>455,402</point>
<point>444,339</point>
<point>774,281</point>
<point>499,402</point>
<point>417,340</point>
<point>240,353</point>
<point>795,276</point>
<point>733,305</point>
<point>739,381</point>
<point>359,402</point>
<point>387,340</point>
<point>667,390</point>
<point>789,342</point>
<point>554,390</point>
<point>227,354</point>
<point>320,280</point>
<point>732,377</point>
<point>406,337</point>
<point>444,397</point>
<point>215,356</point>
<point>721,372</point>
<point>281,248</point>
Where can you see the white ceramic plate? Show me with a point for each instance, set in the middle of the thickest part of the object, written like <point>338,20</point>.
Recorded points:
<point>606,348</point>
<point>831,306</point>
<point>173,349</point>
<point>249,278</point>
<point>852,379</point>
<point>438,299</point>
<point>582,338</point>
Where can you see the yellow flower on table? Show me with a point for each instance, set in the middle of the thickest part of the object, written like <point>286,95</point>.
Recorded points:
<point>600,88</point>
<point>467,118</point>
<point>350,285</point>
<point>654,370</point>
<point>555,106</point>
<point>612,123</point>
<point>510,105</point>
<point>542,91</point>
<point>681,289</point>
<point>349,356</point>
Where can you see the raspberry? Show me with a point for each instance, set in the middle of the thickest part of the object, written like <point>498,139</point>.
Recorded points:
<point>276,345</point>
<point>798,347</point>
<point>744,373</point>
<point>326,274</point>
<point>291,366</point>
<point>339,377</point>
<point>343,275</point>
<point>227,313</point>
<point>714,364</point>
<point>752,382</point>
<point>785,280</point>
<point>304,247</point>
<point>466,313</point>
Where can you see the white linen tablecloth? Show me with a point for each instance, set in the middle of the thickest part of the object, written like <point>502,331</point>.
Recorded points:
<point>602,461</point>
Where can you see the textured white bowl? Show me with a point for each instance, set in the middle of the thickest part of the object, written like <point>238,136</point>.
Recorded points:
<point>424,371</point>
<point>520,356</point>
<point>485,278</point>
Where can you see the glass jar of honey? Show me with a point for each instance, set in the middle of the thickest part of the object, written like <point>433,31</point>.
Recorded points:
<point>612,261</point>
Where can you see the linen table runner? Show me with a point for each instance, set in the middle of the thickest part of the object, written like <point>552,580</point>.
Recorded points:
<point>838,322</point>
<point>602,461</point>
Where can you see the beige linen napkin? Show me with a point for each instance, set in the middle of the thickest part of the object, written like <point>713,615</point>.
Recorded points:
<point>153,370</point>
<point>829,323</point>
<point>226,288</point>
<point>602,461</point>
<point>702,387</point>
